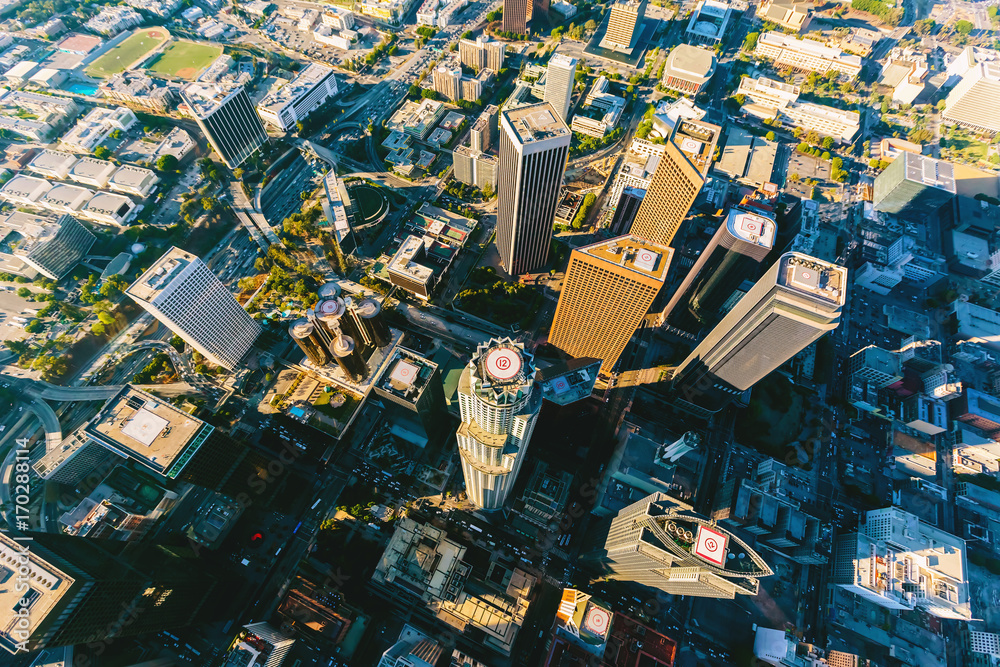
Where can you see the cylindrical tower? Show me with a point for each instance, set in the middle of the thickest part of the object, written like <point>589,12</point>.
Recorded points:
<point>304,333</point>
<point>349,358</point>
<point>329,291</point>
<point>350,326</point>
<point>499,403</point>
<point>368,313</point>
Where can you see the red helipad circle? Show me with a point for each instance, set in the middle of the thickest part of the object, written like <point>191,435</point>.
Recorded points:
<point>503,363</point>
<point>646,256</point>
<point>598,620</point>
<point>404,372</point>
<point>327,307</point>
<point>806,275</point>
<point>711,544</point>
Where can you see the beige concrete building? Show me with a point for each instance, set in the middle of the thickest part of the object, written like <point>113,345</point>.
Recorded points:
<point>806,54</point>
<point>625,25</point>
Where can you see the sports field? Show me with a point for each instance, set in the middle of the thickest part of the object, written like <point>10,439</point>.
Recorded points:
<point>123,56</point>
<point>184,60</point>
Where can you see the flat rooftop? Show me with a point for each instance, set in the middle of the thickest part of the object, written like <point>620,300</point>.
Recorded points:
<point>697,139</point>
<point>109,203</point>
<point>159,275</point>
<point>403,261</point>
<point>928,171</point>
<point>149,430</point>
<point>52,160</point>
<point>204,98</point>
<point>129,175</point>
<point>751,227</point>
<point>535,122</point>
<point>636,254</point>
<point>814,277</point>
<point>306,80</point>
<point>406,375</point>
<point>90,167</point>
<point>691,62</point>
<point>48,585</point>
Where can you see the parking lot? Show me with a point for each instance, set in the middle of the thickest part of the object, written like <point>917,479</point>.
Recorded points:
<point>804,166</point>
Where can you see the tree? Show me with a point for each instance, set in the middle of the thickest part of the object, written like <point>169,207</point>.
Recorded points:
<point>177,343</point>
<point>750,41</point>
<point>166,162</point>
<point>97,329</point>
<point>769,136</point>
<point>106,318</point>
<point>964,27</point>
<point>34,326</point>
<point>102,153</point>
<point>884,108</point>
<point>924,27</point>
<point>237,173</point>
<point>23,292</point>
<point>941,105</point>
<point>428,94</point>
<point>590,26</point>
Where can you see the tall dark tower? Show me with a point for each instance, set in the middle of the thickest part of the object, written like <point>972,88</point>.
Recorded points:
<point>733,255</point>
<point>534,144</point>
<point>795,303</point>
<point>516,15</point>
<point>81,590</point>
<point>349,358</point>
<point>306,336</point>
<point>367,315</point>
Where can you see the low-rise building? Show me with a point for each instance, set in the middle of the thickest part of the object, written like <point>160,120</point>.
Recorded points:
<point>387,11</point>
<point>417,118</point>
<point>64,198</point>
<point>711,19</point>
<point>688,69</point>
<point>137,90</point>
<point>52,164</point>
<point>897,561</point>
<point>109,208</point>
<point>93,172</point>
<point>421,563</point>
<point>971,102</point>
<point>133,180</point>
<point>91,130</point>
<point>788,14</point>
<point>294,101</point>
<point>828,121</point>
<point>418,265</point>
<point>112,20</point>
<point>29,129</point>
<point>806,54</point>
<point>24,190</point>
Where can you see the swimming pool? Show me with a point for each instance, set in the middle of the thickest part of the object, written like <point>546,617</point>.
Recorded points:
<point>88,89</point>
<point>296,412</point>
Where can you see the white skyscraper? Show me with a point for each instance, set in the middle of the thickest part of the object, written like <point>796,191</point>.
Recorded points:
<point>499,404</point>
<point>559,80</point>
<point>183,293</point>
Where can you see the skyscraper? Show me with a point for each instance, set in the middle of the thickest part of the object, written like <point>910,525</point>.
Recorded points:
<point>499,403</point>
<point>516,14</point>
<point>626,210</point>
<point>77,590</point>
<point>732,256</point>
<point>677,181</point>
<point>183,293</point>
<point>793,304</point>
<point>560,77</point>
<point>660,544</point>
<point>914,186</point>
<point>609,288</point>
<point>534,143</point>
<point>624,26</point>
<point>228,119</point>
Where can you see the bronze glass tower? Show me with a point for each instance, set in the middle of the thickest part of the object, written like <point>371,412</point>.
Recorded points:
<point>609,288</point>
<point>677,181</point>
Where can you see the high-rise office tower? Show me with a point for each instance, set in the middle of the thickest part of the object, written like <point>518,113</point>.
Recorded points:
<point>499,402</point>
<point>183,293</point>
<point>677,180</point>
<point>657,543</point>
<point>914,186</point>
<point>448,82</point>
<point>534,143</point>
<point>228,119</point>
<point>797,301</point>
<point>609,288</point>
<point>624,26</point>
<point>560,77</point>
<point>516,14</point>
<point>76,590</point>
<point>482,53</point>
<point>732,256</point>
<point>626,210</point>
